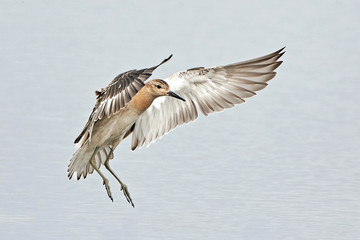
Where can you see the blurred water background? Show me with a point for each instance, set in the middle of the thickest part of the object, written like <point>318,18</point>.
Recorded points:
<point>284,165</point>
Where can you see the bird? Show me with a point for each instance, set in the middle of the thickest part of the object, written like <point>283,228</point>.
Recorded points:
<point>150,109</point>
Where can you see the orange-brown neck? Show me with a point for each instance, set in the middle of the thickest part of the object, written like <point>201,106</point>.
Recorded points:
<point>142,100</point>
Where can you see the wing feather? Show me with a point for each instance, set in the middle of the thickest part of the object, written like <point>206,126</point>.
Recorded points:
<point>115,96</point>
<point>206,89</point>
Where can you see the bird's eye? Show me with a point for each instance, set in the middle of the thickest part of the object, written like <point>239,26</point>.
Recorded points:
<point>158,86</point>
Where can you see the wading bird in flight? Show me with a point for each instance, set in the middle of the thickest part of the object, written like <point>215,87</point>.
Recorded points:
<point>150,110</point>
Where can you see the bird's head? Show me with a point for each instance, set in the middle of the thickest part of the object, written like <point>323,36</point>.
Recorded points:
<point>158,87</point>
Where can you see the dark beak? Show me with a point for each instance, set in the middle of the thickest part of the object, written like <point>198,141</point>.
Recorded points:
<point>172,94</point>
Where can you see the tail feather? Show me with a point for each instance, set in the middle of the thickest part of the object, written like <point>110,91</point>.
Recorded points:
<point>80,162</point>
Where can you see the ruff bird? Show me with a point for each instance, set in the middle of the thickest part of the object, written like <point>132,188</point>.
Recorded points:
<point>150,110</point>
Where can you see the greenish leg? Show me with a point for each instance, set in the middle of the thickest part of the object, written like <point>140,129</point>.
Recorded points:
<point>105,180</point>
<point>123,186</point>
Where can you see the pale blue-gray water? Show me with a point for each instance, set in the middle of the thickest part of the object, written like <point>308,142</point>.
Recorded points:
<point>284,165</point>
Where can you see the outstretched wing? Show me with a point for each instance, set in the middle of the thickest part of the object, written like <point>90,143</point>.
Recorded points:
<point>208,89</point>
<point>115,96</point>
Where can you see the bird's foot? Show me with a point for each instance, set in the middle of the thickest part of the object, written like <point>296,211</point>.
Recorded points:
<point>126,194</point>
<point>107,187</point>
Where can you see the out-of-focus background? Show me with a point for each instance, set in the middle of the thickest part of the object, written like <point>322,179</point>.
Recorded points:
<point>284,165</point>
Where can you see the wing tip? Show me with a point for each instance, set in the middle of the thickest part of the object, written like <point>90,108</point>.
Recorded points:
<point>280,50</point>
<point>165,60</point>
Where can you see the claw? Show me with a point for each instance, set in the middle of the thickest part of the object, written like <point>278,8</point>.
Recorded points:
<point>126,194</point>
<point>107,187</point>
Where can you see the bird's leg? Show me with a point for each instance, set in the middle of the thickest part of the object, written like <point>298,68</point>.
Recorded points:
<point>105,180</point>
<point>123,186</point>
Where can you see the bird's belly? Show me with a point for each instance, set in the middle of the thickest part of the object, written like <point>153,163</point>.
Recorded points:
<point>107,130</point>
